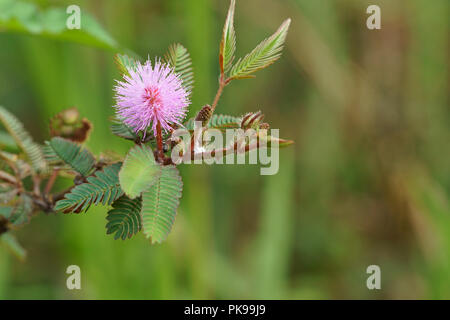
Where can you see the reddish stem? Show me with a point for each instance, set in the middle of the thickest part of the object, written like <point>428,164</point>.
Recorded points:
<point>159,141</point>
<point>222,85</point>
<point>51,181</point>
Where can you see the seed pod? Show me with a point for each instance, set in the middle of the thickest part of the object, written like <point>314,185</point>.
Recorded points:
<point>68,124</point>
<point>204,115</point>
<point>264,126</point>
<point>252,120</point>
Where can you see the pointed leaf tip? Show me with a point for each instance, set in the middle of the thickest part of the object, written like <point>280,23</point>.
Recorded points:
<point>265,54</point>
<point>228,43</point>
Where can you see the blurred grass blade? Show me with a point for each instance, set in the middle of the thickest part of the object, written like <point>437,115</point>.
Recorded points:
<point>11,243</point>
<point>265,54</point>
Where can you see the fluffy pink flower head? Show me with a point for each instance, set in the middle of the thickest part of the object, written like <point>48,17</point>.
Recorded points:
<point>151,95</point>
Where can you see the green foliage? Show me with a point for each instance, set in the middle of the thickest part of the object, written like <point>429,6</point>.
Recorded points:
<point>72,154</point>
<point>124,63</point>
<point>218,121</point>
<point>7,195</point>
<point>7,142</point>
<point>139,171</point>
<point>101,189</point>
<point>26,17</point>
<point>121,130</point>
<point>160,204</point>
<point>179,59</point>
<point>9,241</point>
<point>221,121</point>
<point>19,210</point>
<point>228,43</point>
<point>125,218</point>
<point>23,140</point>
<point>265,54</point>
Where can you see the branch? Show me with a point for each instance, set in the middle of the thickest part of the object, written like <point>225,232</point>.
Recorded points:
<point>8,178</point>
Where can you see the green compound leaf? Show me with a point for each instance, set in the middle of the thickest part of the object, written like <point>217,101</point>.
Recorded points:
<point>23,140</point>
<point>7,142</point>
<point>265,54</point>
<point>160,204</point>
<point>179,59</point>
<point>221,121</point>
<point>139,171</point>
<point>121,130</point>
<point>28,18</point>
<point>125,218</point>
<point>218,121</point>
<point>72,154</point>
<point>7,195</point>
<point>101,189</point>
<point>124,63</point>
<point>22,210</point>
<point>228,43</point>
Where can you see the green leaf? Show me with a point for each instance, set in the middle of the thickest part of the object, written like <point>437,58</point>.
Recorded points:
<point>7,195</point>
<point>124,63</point>
<point>79,159</point>
<point>179,59</point>
<point>125,218</point>
<point>11,243</point>
<point>265,54</point>
<point>27,18</point>
<point>7,142</point>
<point>23,140</point>
<point>228,43</point>
<point>6,210</point>
<point>160,204</point>
<point>139,171</point>
<point>121,130</point>
<point>22,211</point>
<point>224,122</point>
<point>101,189</point>
<point>218,121</point>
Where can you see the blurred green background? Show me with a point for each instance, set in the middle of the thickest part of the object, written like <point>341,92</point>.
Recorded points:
<point>367,182</point>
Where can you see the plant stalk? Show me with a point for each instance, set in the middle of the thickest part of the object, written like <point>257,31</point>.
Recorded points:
<point>159,141</point>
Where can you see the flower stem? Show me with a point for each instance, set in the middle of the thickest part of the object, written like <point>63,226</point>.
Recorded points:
<point>159,141</point>
<point>222,84</point>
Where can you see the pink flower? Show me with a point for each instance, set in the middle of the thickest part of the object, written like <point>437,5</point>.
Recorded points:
<point>151,95</point>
